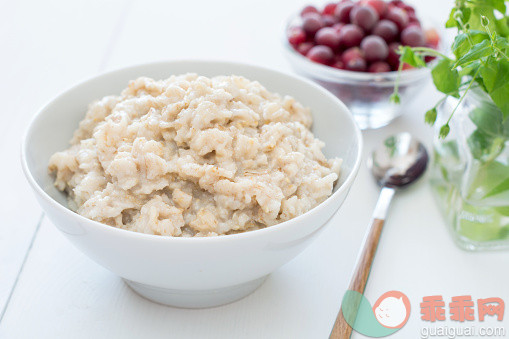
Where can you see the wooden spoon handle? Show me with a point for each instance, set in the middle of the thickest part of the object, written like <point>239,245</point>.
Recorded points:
<point>341,329</point>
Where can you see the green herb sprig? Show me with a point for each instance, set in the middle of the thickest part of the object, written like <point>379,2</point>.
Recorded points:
<point>480,57</point>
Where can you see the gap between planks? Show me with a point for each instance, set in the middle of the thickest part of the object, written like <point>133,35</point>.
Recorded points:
<point>34,236</point>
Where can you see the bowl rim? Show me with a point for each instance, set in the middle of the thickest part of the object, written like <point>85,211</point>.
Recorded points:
<point>334,73</point>
<point>220,238</point>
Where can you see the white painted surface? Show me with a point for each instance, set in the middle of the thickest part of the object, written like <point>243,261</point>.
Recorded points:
<point>46,47</point>
<point>61,294</point>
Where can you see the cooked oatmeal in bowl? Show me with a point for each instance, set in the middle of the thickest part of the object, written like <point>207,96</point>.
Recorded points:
<point>142,164</point>
<point>194,156</point>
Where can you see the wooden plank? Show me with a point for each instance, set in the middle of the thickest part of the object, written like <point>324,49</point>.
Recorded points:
<point>46,47</point>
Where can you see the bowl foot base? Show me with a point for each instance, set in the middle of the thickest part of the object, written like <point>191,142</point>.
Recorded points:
<point>196,298</point>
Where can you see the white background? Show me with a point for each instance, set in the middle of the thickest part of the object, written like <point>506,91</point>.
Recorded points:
<point>50,290</point>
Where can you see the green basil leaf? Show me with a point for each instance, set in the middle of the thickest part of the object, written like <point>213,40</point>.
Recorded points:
<point>466,13</point>
<point>499,5</point>
<point>487,120</point>
<point>502,26</point>
<point>500,188</point>
<point>483,146</point>
<point>479,9</point>
<point>502,43</point>
<point>451,22</point>
<point>478,142</point>
<point>484,177</point>
<point>463,13</point>
<point>505,127</point>
<point>409,57</point>
<point>476,52</point>
<point>495,75</point>
<point>462,45</point>
<point>470,69</point>
<point>446,80</point>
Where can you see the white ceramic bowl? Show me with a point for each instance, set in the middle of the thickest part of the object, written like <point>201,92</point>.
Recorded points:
<point>188,272</point>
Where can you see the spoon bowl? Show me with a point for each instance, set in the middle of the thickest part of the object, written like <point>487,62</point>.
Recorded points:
<point>401,160</point>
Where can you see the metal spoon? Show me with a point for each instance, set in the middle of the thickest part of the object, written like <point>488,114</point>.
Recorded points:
<point>400,161</point>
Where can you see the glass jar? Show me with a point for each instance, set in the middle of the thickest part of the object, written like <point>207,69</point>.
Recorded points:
<point>470,172</point>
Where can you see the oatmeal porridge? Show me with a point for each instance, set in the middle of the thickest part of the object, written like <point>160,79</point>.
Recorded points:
<point>194,156</point>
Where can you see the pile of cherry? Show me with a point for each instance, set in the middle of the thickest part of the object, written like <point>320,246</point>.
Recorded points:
<point>359,36</point>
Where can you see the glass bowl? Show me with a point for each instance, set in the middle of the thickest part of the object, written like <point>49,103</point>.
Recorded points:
<point>366,94</point>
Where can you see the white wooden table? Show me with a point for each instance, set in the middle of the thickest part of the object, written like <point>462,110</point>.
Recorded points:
<point>50,290</point>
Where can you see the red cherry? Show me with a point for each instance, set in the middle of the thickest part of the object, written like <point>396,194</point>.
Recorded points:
<point>327,36</point>
<point>343,11</point>
<point>387,30</point>
<point>338,27</point>
<point>413,23</point>
<point>296,35</point>
<point>413,36</point>
<point>351,53</point>
<point>329,9</point>
<point>429,58</point>
<point>311,23</point>
<point>413,18</point>
<point>350,35</point>
<point>409,9</point>
<point>329,20</point>
<point>356,65</point>
<point>321,54</point>
<point>379,5</point>
<point>379,67</point>
<point>432,37</point>
<point>393,57</point>
<point>397,3</point>
<point>304,47</point>
<point>338,64</point>
<point>364,16</point>
<point>374,48</point>
<point>308,9</point>
<point>398,16</point>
